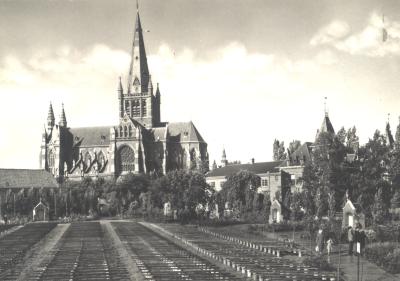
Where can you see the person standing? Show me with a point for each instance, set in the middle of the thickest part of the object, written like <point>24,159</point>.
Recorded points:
<point>320,241</point>
<point>362,239</point>
<point>357,238</point>
<point>350,238</point>
<point>329,246</point>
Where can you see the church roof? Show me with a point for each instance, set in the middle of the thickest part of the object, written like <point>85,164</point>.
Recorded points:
<point>326,126</point>
<point>90,136</point>
<point>301,153</point>
<point>256,168</point>
<point>184,131</point>
<point>159,133</point>
<point>25,178</point>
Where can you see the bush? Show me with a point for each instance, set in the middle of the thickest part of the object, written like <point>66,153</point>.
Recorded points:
<point>318,261</point>
<point>386,255</point>
<point>384,233</point>
<point>284,226</point>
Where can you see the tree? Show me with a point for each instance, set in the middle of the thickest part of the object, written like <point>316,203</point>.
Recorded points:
<point>352,139</point>
<point>379,211</point>
<point>341,135</point>
<point>279,152</point>
<point>240,189</point>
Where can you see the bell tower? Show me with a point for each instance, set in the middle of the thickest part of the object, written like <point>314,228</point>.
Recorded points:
<point>139,100</point>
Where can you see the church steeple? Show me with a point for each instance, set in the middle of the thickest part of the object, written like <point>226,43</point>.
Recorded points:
<point>50,118</point>
<point>63,119</point>
<point>138,77</point>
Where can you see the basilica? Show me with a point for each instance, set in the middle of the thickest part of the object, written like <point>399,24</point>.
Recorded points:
<point>140,143</point>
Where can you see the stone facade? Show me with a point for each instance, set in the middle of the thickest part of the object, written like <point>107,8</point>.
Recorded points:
<point>140,143</point>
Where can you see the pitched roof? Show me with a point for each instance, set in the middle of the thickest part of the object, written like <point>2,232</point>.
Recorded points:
<point>159,133</point>
<point>301,153</point>
<point>184,131</point>
<point>24,178</point>
<point>88,136</point>
<point>326,126</point>
<point>256,168</point>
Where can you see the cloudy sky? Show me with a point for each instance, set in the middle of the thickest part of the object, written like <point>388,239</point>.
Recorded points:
<point>245,72</point>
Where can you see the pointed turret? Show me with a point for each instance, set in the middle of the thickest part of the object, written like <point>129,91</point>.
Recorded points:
<point>224,162</point>
<point>120,88</point>
<point>150,87</point>
<point>63,119</point>
<point>326,126</point>
<point>138,78</point>
<point>50,118</point>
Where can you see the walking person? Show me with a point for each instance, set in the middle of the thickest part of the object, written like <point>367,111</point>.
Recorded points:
<point>320,241</point>
<point>329,246</point>
<point>350,238</point>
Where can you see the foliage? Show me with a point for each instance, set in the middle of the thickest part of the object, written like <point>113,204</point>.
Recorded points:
<point>133,195</point>
<point>386,255</point>
<point>319,262</point>
<point>279,152</point>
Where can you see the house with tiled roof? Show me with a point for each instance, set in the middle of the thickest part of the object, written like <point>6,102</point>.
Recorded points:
<point>26,178</point>
<point>268,172</point>
<point>140,143</point>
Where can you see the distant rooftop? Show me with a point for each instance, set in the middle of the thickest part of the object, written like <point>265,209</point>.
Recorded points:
<point>25,178</point>
<point>256,168</point>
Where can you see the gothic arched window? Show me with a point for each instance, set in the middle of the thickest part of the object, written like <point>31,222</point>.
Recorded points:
<point>101,160</point>
<point>144,108</point>
<point>130,130</point>
<point>125,131</point>
<point>136,108</point>
<point>87,159</point>
<point>51,160</point>
<point>126,159</point>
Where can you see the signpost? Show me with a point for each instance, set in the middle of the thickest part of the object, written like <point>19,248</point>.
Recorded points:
<point>358,260</point>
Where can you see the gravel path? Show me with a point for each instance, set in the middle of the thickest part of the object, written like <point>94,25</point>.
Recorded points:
<point>124,252</point>
<point>41,253</point>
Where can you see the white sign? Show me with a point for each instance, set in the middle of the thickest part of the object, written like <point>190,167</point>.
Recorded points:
<point>358,247</point>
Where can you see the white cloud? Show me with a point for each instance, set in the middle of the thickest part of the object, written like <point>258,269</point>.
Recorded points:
<point>367,42</point>
<point>237,99</point>
<point>330,33</point>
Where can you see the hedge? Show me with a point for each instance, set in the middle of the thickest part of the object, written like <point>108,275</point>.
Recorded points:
<point>385,255</point>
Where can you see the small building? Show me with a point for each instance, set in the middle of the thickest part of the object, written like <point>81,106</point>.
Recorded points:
<point>167,209</point>
<point>352,215</point>
<point>275,214</point>
<point>267,171</point>
<point>40,212</point>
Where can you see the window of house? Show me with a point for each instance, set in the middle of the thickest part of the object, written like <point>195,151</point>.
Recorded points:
<point>212,184</point>
<point>276,177</point>
<point>264,182</point>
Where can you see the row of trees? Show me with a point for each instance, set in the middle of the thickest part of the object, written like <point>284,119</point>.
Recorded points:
<point>341,169</point>
<point>134,194</point>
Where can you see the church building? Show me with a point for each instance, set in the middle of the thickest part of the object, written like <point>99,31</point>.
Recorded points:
<point>140,143</point>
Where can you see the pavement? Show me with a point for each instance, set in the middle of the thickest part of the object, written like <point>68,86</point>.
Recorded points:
<point>368,271</point>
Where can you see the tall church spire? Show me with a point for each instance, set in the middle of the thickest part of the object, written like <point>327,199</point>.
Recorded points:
<point>50,118</point>
<point>138,77</point>
<point>63,119</point>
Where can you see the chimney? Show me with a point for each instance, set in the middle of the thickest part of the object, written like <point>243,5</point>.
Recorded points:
<point>252,160</point>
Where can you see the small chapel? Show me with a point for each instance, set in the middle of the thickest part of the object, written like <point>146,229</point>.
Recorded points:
<point>140,143</point>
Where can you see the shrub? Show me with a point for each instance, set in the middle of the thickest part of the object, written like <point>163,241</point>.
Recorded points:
<point>284,226</point>
<point>386,255</point>
<point>318,261</point>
